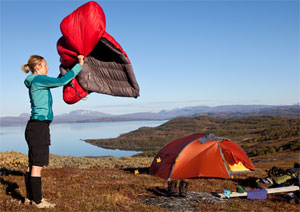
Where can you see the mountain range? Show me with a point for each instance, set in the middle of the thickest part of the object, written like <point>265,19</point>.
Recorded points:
<point>223,111</point>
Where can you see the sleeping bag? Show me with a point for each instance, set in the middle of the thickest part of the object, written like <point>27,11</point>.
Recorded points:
<point>107,68</point>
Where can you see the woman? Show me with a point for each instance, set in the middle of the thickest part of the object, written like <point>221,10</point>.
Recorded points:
<point>37,133</point>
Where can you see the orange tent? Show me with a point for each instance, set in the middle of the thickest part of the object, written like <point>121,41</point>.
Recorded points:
<point>200,155</point>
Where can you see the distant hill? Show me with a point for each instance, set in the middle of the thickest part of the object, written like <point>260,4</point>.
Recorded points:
<point>257,134</point>
<point>225,111</point>
<point>230,111</point>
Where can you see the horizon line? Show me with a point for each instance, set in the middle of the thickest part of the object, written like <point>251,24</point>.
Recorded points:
<point>274,105</point>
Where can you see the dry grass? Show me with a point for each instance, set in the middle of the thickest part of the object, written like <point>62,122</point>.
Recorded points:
<point>109,184</point>
<point>16,160</point>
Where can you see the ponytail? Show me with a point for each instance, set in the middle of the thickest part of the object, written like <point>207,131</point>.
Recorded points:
<point>33,61</point>
<point>25,68</point>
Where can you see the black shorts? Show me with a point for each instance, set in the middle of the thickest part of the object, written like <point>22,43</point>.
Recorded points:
<point>37,135</point>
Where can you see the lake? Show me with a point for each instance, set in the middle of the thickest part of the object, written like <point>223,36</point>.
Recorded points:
<point>66,138</point>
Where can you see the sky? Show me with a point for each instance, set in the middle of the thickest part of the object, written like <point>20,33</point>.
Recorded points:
<point>183,53</point>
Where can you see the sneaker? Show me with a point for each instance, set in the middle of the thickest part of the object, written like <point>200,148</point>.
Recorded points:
<point>44,204</point>
<point>27,201</point>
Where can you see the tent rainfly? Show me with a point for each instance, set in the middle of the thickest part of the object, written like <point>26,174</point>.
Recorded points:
<point>200,155</point>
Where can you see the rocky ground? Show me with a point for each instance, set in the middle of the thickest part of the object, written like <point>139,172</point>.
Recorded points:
<point>186,204</point>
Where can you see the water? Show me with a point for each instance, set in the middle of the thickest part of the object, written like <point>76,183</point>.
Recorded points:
<point>66,139</point>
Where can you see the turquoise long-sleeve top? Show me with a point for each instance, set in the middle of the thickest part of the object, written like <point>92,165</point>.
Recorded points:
<point>40,95</point>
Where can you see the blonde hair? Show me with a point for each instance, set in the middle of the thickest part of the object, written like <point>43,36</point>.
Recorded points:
<point>33,61</point>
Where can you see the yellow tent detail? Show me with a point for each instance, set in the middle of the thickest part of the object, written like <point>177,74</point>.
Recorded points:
<point>158,160</point>
<point>136,172</point>
<point>237,167</point>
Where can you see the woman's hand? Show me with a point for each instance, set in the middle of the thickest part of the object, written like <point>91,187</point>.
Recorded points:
<point>80,59</point>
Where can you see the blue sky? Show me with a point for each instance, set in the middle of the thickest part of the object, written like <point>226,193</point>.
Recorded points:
<point>184,53</point>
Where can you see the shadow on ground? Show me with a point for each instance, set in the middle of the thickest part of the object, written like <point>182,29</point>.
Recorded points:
<point>157,191</point>
<point>142,170</point>
<point>247,182</point>
<point>11,187</point>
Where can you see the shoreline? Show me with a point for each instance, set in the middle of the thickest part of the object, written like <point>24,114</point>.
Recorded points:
<point>23,122</point>
<point>82,156</point>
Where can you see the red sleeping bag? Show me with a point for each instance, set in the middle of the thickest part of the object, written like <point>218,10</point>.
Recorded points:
<point>84,33</point>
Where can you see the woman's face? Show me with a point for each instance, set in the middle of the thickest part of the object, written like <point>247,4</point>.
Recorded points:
<point>43,68</point>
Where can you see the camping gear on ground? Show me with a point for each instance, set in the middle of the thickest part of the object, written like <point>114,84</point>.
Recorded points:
<point>172,188</point>
<point>107,68</point>
<point>279,177</point>
<point>275,171</point>
<point>292,197</point>
<point>269,191</point>
<point>265,182</point>
<point>240,189</point>
<point>183,188</point>
<point>280,180</point>
<point>257,194</point>
<point>294,173</point>
<point>200,155</point>
<point>227,193</point>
